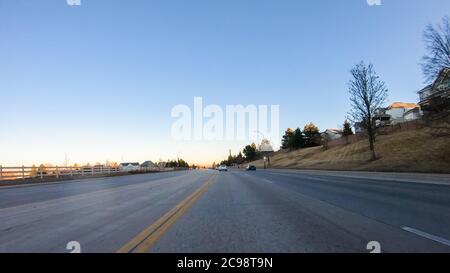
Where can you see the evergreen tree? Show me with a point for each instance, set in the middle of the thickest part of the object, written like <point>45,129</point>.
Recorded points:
<point>287,139</point>
<point>297,140</point>
<point>239,158</point>
<point>312,134</point>
<point>347,131</point>
<point>250,152</point>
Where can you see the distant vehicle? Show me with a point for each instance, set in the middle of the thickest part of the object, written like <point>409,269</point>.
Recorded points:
<point>222,168</point>
<point>251,168</point>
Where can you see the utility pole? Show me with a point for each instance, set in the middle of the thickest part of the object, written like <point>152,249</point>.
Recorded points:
<point>178,159</point>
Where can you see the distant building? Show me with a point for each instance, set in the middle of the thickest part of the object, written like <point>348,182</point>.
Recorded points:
<point>265,146</point>
<point>435,98</point>
<point>359,127</point>
<point>424,94</point>
<point>412,114</point>
<point>397,111</point>
<point>149,164</point>
<point>381,118</point>
<point>331,134</point>
<point>128,167</point>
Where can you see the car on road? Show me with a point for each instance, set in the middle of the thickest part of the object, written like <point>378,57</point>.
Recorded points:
<point>222,168</point>
<point>251,168</point>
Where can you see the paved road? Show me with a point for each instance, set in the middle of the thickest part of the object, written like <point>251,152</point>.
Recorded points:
<point>235,211</point>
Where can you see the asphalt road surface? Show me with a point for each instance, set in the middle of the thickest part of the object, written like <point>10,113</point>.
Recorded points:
<point>234,211</point>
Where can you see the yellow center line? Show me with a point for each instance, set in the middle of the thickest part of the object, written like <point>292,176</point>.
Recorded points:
<point>149,236</point>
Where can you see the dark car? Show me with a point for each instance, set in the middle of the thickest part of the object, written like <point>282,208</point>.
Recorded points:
<point>251,168</point>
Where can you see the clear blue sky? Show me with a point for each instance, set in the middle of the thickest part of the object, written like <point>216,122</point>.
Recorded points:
<point>98,81</point>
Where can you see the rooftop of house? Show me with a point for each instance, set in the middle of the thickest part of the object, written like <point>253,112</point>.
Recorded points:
<point>406,105</point>
<point>148,163</point>
<point>425,89</point>
<point>417,109</point>
<point>130,163</point>
<point>443,74</point>
<point>333,130</point>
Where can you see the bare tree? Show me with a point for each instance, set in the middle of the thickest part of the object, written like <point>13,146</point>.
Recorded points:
<point>367,94</point>
<point>437,41</point>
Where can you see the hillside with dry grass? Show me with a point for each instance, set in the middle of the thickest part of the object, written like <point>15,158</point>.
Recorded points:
<point>421,150</point>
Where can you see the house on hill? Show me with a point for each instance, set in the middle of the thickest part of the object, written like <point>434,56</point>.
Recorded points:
<point>331,134</point>
<point>413,114</point>
<point>149,164</point>
<point>359,127</point>
<point>397,112</point>
<point>435,98</point>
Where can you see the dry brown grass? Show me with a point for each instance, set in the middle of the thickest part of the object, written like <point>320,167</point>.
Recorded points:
<point>422,150</point>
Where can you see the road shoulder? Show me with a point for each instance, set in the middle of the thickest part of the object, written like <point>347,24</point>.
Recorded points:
<point>424,178</point>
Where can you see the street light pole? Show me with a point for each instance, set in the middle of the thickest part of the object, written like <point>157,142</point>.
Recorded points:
<point>259,132</point>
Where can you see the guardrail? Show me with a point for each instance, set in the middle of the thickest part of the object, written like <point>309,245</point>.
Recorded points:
<point>23,172</point>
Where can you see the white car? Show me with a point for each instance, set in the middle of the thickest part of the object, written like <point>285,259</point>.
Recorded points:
<point>222,168</point>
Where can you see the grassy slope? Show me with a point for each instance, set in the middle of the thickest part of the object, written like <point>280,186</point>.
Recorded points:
<point>412,151</point>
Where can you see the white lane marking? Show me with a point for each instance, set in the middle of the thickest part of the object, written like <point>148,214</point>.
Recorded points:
<point>428,235</point>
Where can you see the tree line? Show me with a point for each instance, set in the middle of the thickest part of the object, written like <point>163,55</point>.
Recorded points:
<point>248,154</point>
<point>178,163</point>
<point>296,139</point>
<point>309,137</point>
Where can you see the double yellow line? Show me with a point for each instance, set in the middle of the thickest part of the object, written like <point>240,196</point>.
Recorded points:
<point>149,236</point>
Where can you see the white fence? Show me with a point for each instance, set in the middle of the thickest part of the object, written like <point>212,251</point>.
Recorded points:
<point>23,172</point>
